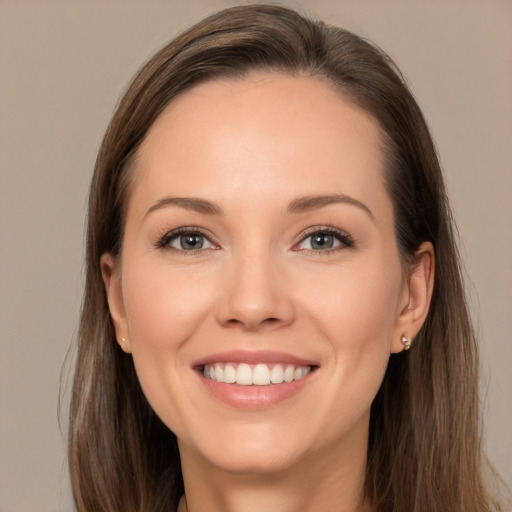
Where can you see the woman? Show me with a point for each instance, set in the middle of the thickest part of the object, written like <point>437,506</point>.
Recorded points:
<point>268,236</point>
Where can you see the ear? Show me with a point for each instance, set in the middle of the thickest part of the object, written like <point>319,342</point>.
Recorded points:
<point>112,280</point>
<point>416,297</point>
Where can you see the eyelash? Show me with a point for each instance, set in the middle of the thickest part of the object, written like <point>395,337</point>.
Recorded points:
<point>165,240</point>
<point>343,237</point>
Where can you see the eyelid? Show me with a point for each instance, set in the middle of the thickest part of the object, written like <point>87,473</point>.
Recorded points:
<point>168,235</point>
<point>345,239</point>
<point>342,236</point>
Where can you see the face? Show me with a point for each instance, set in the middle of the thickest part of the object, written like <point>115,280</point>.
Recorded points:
<point>260,289</point>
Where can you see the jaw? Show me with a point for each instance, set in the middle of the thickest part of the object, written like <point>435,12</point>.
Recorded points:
<point>279,477</point>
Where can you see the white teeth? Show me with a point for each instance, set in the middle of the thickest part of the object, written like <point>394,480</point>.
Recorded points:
<point>297,374</point>
<point>277,374</point>
<point>244,375</point>
<point>259,375</point>
<point>289,373</point>
<point>229,374</point>
<point>219,373</point>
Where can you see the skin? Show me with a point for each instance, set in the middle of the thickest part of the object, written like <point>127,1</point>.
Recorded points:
<point>252,147</point>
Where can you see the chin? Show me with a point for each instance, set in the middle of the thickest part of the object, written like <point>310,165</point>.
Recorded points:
<point>259,450</point>
<point>256,461</point>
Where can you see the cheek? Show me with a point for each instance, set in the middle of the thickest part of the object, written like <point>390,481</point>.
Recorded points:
<point>356,304</point>
<point>163,306</point>
<point>355,310</point>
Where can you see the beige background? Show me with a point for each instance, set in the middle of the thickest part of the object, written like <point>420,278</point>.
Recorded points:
<point>63,65</point>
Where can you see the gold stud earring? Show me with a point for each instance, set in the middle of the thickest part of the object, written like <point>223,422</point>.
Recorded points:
<point>406,342</point>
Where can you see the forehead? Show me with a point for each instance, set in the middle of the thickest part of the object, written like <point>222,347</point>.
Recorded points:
<point>289,135</point>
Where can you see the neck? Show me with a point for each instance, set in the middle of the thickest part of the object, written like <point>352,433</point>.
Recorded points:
<point>331,482</point>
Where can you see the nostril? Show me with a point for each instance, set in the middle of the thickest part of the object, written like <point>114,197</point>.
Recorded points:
<point>271,321</point>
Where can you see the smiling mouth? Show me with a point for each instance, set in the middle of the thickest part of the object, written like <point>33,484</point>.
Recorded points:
<point>261,374</point>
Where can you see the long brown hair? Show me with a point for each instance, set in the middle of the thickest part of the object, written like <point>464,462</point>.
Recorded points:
<point>424,449</point>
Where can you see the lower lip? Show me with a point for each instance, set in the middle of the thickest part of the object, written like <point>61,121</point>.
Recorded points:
<point>254,397</point>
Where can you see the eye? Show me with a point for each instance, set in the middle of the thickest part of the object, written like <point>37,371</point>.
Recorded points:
<point>188,241</point>
<point>325,240</point>
<point>185,239</point>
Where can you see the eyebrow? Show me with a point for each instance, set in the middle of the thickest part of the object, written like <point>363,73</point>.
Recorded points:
<point>308,203</point>
<point>298,205</point>
<point>188,203</point>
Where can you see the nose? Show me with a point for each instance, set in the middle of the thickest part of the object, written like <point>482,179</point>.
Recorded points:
<point>255,295</point>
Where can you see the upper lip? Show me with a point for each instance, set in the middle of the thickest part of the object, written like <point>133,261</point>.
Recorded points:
<point>253,357</point>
